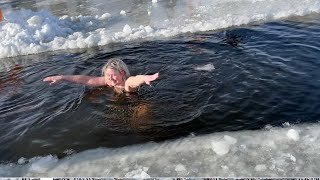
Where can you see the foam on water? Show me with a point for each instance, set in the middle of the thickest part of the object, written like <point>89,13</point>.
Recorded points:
<point>26,32</point>
<point>271,152</point>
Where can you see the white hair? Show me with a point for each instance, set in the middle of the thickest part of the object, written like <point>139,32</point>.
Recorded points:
<point>118,65</point>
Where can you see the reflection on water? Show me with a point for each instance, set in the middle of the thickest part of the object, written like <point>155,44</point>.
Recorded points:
<point>132,117</point>
<point>10,82</point>
<point>123,112</point>
<point>195,42</point>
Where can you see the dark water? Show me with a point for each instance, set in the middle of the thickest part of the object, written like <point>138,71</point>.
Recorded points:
<point>265,74</point>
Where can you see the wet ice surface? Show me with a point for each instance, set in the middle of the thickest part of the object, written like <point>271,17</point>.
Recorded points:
<point>290,151</point>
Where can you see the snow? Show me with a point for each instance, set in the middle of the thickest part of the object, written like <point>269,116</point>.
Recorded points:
<point>30,32</point>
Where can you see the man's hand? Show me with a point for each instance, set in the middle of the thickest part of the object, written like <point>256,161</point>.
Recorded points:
<point>52,79</point>
<point>149,78</point>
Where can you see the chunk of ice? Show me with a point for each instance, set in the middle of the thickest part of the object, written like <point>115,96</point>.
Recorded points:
<point>123,13</point>
<point>207,67</point>
<point>293,135</point>
<point>34,21</point>
<point>105,16</point>
<point>221,148</point>
<point>127,29</point>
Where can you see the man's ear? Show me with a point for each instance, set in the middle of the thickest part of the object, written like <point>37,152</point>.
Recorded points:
<point>123,73</point>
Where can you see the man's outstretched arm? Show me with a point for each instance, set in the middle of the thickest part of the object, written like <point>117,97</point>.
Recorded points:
<point>133,82</point>
<point>79,79</point>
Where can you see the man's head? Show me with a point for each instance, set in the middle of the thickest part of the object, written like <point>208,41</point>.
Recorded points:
<point>115,71</point>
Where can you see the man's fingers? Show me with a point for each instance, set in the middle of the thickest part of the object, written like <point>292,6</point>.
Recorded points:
<point>155,76</point>
<point>47,79</point>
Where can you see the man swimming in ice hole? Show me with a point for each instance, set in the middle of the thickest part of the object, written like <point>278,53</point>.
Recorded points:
<point>115,74</point>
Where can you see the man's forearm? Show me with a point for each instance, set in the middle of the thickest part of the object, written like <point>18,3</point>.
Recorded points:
<point>134,82</point>
<point>85,80</point>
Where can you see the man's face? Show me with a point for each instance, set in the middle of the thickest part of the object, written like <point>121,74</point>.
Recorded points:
<point>113,77</point>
